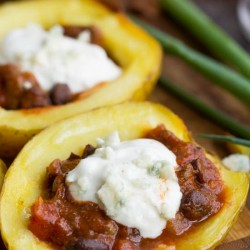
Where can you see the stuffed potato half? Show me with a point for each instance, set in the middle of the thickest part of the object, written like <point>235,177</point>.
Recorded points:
<point>24,180</point>
<point>138,55</point>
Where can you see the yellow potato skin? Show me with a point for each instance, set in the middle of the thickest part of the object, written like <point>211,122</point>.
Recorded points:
<point>137,53</point>
<point>24,179</point>
<point>234,148</point>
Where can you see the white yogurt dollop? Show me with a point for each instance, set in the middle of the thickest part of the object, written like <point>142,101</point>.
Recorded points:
<point>237,162</point>
<point>133,181</point>
<point>54,58</point>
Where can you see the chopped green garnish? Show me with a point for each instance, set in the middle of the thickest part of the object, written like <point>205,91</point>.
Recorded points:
<point>155,170</point>
<point>230,139</point>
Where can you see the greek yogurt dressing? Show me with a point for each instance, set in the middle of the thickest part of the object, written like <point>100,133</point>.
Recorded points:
<point>54,58</point>
<point>133,181</point>
<point>237,162</point>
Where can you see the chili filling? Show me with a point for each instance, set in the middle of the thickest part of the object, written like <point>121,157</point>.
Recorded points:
<point>21,90</point>
<point>67,224</point>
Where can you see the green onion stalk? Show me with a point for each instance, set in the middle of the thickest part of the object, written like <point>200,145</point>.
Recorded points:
<point>218,73</point>
<point>229,139</point>
<point>208,33</point>
<point>222,119</point>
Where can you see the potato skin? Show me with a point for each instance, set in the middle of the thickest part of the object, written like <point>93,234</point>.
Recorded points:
<point>125,42</point>
<point>23,183</point>
<point>234,148</point>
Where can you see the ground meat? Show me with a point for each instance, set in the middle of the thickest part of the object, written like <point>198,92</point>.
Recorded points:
<point>11,81</point>
<point>65,223</point>
<point>87,244</point>
<point>129,234</point>
<point>207,174</point>
<point>89,150</point>
<point>19,90</point>
<point>69,224</point>
<point>55,174</point>
<point>189,155</point>
<point>2,97</point>
<point>74,31</point>
<point>178,225</point>
<point>187,178</point>
<point>198,177</point>
<point>125,245</point>
<point>185,152</point>
<point>34,97</point>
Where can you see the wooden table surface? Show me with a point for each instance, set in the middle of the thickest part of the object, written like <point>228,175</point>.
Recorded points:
<point>223,12</point>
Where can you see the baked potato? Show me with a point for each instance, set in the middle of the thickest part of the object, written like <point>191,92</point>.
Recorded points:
<point>136,53</point>
<point>24,180</point>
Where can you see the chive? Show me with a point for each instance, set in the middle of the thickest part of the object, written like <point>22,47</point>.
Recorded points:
<point>218,73</point>
<point>208,33</point>
<point>230,139</point>
<point>215,115</point>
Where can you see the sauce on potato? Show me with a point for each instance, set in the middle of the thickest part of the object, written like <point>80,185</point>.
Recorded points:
<point>59,219</point>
